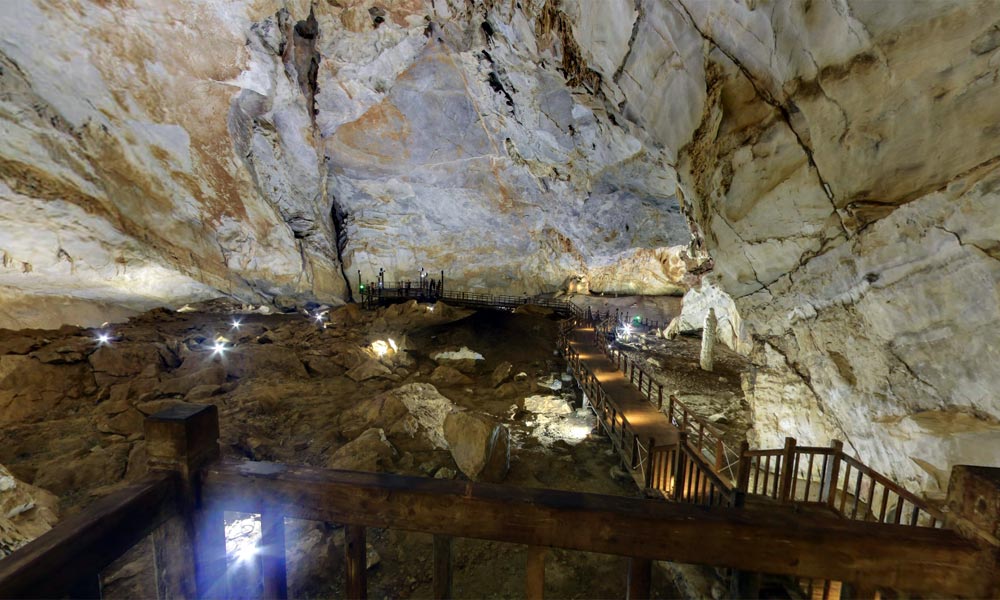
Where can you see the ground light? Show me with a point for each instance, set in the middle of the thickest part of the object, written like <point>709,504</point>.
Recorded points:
<point>236,324</point>
<point>103,338</point>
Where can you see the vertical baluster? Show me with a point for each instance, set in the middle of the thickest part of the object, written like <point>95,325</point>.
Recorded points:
<point>356,564</point>
<point>442,567</point>
<point>885,504</point>
<point>857,494</point>
<point>767,472</point>
<point>640,572</point>
<point>679,466</point>
<point>535,573</point>
<point>809,471</point>
<point>272,525</point>
<point>899,509</point>
<point>843,490</point>
<point>659,400</point>
<point>869,508</point>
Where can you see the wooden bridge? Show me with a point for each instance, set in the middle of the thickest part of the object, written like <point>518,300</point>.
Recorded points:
<point>753,511</point>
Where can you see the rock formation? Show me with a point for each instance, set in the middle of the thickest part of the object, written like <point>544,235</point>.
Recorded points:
<point>836,159</point>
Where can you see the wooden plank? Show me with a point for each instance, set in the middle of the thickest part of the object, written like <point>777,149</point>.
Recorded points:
<point>80,546</point>
<point>752,539</point>
<point>442,567</point>
<point>356,564</point>
<point>534,576</point>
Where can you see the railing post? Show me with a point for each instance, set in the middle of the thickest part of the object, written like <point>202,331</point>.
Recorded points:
<point>640,571</point>
<point>442,567</point>
<point>356,564</point>
<point>659,399</point>
<point>679,465</point>
<point>787,470</point>
<point>743,471</point>
<point>828,491</point>
<point>648,475</point>
<point>670,409</point>
<point>183,439</point>
<point>273,569</point>
<point>535,573</point>
<point>720,455</point>
<point>640,381</point>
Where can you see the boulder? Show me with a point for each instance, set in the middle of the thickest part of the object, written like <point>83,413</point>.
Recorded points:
<point>369,369</point>
<point>501,373</point>
<point>255,360</point>
<point>212,375</point>
<point>381,411</point>
<point>26,512</point>
<point>448,376</point>
<point>479,445</point>
<point>371,451</point>
<point>463,359</point>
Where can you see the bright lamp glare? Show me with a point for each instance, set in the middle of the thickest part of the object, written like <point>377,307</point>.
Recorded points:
<point>236,323</point>
<point>103,338</point>
<point>219,348</point>
<point>380,348</point>
<point>392,344</point>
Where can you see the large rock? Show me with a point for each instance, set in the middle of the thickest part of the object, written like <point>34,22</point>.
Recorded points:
<point>479,444</point>
<point>371,451</point>
<point>26,512</point>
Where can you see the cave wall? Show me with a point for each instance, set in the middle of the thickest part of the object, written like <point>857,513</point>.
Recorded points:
<point>837,159</point>
<point>166,152</point>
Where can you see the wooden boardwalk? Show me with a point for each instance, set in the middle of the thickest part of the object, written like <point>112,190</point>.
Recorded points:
<point>645,419</point>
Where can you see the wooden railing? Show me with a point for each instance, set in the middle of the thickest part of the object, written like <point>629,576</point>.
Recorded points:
<point>189,490</point>
<point>706,437</point>
<point>817,475</point>
<point>828,477</point>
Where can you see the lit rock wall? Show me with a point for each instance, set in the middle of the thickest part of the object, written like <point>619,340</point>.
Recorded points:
<point>160,152</point>
<point>844,178</point>
<point>837,159</point>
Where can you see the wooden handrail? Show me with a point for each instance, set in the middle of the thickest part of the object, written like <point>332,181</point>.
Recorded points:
<point>872,554</point>
<point>73,553</point>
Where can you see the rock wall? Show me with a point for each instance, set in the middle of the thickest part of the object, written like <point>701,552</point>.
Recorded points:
<point>837,159</point>
<point>161,153</point>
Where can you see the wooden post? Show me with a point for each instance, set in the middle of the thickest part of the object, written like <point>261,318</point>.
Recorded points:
<point>828,491</point>
<point>648,479</point>
<point>183,439</point>
<point>679,465</point>
<point>720,455</point>
<point>743,471</point>
<point>273,569</point>
<point>640,381</point>
<point>356,564</point>
<point>787,470</point>
<point>535,573</point>
<point>670,409</point>
<point>640,572</point>
<point>659,400</point>
<point>442,567</point>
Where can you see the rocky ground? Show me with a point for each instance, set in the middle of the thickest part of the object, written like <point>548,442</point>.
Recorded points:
<point>411,389</point>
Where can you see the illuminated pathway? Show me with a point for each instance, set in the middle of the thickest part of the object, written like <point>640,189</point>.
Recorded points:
<point>644,418</point>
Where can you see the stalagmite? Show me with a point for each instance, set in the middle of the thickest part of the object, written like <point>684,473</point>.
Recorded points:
<point>708,341</point>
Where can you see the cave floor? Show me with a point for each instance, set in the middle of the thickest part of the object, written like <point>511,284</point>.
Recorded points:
<point>292,389</point>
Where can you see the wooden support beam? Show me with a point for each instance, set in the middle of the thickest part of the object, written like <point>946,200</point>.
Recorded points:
<point>787,470</point>
<point>640,574</point>
<point>534,584</point>
<point>772,540</point>
<point>182,440</point>
<point>80,546</point>
<point>273,569</point>
<point>442,567</point>
<point>356,564</point>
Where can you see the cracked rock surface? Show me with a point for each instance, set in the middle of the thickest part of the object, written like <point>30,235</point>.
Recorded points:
<point>837,159</point>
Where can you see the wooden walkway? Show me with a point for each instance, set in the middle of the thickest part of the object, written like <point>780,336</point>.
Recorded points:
<point>645,419</point>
